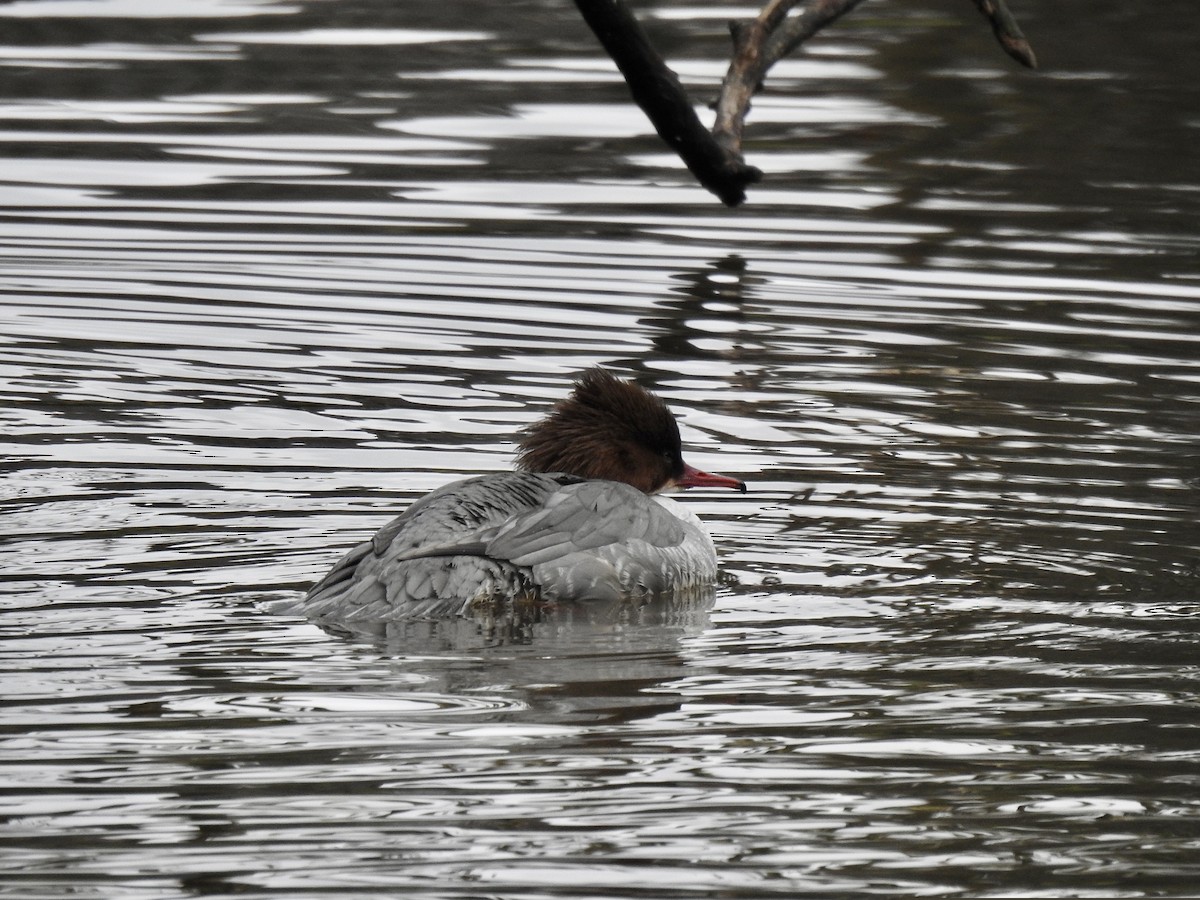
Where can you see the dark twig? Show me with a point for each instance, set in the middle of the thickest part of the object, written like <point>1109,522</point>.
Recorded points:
<point>656,89</point>
<point>1007,31</point>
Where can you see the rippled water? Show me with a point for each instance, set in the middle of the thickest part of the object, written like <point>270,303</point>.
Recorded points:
<point>272,270</point>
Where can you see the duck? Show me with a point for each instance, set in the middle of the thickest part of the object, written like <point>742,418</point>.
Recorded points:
<point>584,518</point>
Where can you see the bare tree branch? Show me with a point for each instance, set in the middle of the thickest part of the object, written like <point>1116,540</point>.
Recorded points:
<point>1007,31</point>
<point>746,71</point>
<point>815,16</point>
<point>758,46</point>
<point>715,157</point>
<point>656,89</point>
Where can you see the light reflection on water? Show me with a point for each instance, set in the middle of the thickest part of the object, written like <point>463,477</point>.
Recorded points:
<point>254,304</point>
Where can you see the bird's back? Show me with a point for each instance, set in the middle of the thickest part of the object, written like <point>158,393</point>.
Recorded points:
<point>499,538</point>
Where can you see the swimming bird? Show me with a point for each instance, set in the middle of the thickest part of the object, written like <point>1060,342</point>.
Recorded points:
<point>583,519</point>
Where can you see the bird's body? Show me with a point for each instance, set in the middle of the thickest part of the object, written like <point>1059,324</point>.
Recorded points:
<point>545,536</point>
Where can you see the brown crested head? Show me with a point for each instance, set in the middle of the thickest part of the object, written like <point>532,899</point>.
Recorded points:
<point>614,430</point>
<point>607,428</point>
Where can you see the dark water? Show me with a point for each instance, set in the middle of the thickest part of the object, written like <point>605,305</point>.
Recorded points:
<point>271,270</point>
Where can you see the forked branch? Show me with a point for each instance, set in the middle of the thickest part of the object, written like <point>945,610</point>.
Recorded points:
<point>715,157</point>
<point>758,45</point>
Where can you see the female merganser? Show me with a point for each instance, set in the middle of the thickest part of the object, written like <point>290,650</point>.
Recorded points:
<point>580,522</point>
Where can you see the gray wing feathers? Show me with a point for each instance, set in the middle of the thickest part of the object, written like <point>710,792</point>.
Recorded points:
<point>585,516</point>
<point>427,561</point>
<point>502,536</point>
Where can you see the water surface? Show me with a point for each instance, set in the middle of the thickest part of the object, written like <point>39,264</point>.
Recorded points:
<point>272,270</point>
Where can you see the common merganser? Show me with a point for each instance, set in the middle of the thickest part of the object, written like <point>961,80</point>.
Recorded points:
<point>582,521</point>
